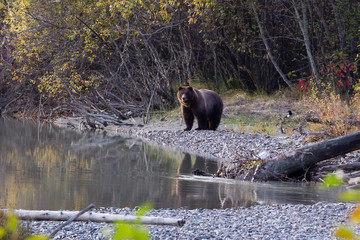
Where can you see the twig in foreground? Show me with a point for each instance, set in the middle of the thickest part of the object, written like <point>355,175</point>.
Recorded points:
<point>71,219</point>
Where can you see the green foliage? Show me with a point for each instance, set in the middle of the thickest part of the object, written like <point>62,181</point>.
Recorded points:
<point>127,231</point>
<point>335,179</point>
<point>124,230</point>
<point>266,127</point>
<point>350,196</point>
<point>10,226</point>
<point>10,229</point>
<point>345,231</point>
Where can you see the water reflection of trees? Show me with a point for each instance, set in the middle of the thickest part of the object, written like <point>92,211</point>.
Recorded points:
<point>58,165</point>
<point>43,167</point>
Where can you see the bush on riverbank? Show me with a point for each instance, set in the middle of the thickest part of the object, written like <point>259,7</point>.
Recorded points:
<point>332,114</point>
<point>10,228</point>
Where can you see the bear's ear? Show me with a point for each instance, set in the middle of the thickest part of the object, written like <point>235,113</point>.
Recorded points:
<point>180,88</point>
<point>190,88</point>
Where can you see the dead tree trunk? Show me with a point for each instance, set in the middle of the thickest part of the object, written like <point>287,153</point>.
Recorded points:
<point>267,47</point>
<point>301,159</point>
<point>43,215</point>
<point>303,24</point>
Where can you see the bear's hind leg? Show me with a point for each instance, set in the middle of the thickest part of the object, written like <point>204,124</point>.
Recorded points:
<point>214,122</point>
<point>202,123</point>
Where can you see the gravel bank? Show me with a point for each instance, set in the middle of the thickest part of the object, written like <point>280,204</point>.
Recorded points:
<point>220,145</point>
<point>284,221</point>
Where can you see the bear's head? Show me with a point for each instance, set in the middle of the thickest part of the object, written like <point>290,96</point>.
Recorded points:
<point>186,96</point>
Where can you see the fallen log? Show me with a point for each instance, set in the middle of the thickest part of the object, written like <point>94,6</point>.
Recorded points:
<point>345,167</point>
<point>43,215</point>
<point>301,159</point>
<point>318,120</point>
<point>352,178</point>
<point>351,175</point>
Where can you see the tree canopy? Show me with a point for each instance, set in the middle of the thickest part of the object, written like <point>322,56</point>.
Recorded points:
<point>125,57</point>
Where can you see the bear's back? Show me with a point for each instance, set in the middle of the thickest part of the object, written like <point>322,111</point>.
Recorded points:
<point>213,101</point>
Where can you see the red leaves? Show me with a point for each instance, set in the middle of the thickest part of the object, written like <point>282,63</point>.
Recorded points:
<point>340,84</point>
<point>339,71</point>
<point>304,85</point>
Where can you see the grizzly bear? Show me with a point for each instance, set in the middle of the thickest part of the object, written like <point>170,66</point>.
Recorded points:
<point>205,105</point>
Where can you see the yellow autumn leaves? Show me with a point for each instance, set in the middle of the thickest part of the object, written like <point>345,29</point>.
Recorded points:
<point>55,42</point>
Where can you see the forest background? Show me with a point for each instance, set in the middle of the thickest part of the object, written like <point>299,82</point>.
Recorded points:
<point>127,58</point>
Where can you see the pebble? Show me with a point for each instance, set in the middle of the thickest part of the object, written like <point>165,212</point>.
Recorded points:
<point>285,221</point>
<point>221,145</point>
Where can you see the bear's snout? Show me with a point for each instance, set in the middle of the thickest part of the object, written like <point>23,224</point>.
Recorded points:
<point>184,98</point>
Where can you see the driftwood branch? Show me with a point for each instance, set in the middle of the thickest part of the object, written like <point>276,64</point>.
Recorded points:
<point>42,215</point>
<point>70,220</point>
<point>345,167</point>
<point>301,159</point>
<point>109,106</point>
<point>318,120</point>
<point>353,179</point>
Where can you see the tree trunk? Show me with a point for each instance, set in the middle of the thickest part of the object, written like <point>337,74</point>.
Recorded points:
<point>213,47</point>
<point>346,167</point>
<point>186,60</point>
<point>340,25</point>
<point>303,24</point>
<point>41,215</point>
<point>323,22</point>
<point>267,47</point>
<point>301,159</point>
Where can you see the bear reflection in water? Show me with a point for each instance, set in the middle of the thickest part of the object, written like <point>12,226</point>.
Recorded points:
<point>202,165</point>
<point>207,194</point>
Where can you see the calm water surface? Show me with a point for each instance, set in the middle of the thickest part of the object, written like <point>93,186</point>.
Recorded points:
<point>44,167</point>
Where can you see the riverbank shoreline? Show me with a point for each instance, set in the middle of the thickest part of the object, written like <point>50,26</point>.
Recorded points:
<point>222,145</point>
<point>253,222</point>
<point>279,221</point>
<point>225,145</point>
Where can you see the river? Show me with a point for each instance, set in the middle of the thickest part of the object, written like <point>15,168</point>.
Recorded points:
<point>45,167</point>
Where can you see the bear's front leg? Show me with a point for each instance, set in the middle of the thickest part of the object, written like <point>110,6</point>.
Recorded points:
<point>188,117</point>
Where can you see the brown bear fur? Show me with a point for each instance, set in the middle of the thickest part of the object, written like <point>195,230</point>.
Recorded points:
<point>205,105</point>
